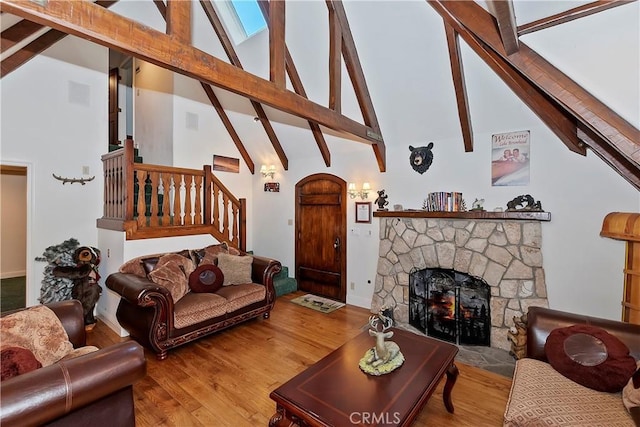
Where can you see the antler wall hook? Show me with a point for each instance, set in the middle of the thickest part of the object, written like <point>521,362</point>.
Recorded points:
<point>73,180</point>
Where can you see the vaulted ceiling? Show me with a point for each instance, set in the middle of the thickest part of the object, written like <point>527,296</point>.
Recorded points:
<point>580,120</point>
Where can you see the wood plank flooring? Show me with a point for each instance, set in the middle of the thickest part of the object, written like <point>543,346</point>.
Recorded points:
<point>225,379</point>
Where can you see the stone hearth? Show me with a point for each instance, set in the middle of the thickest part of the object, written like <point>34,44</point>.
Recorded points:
<point>504,253</point>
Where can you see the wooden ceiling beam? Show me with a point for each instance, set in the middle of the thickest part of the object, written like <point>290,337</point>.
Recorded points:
<point>17,33</point>
<point>178,18</point>
<point>506,18</point>
<point>215,102</point>
<point>125,35</point>
<point>298,87</point>
<point>457,73</point>
<point>570,15</point>
<point>25,28</point>
<point>335,62</point>
<point>354,68</point>
<point>550,113</point>
<point>575,100</point>
<point>28,52</point>
<point>276,43</point>
<point>227,45</point>
<point>626,168</point>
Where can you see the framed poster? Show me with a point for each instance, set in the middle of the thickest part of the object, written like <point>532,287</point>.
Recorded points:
<point>226,164</point>
<point>510,157</point>
<point>363,212</point>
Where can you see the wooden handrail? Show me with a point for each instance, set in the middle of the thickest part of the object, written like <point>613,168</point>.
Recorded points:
<point>148,201</point>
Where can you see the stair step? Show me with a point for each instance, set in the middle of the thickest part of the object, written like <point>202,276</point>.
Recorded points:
<point>283,283</point>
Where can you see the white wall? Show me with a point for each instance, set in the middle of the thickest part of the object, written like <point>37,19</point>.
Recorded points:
<point>414,99</point>
<point>153,118</point>
<point>13,225</point>
<point>54,118</point>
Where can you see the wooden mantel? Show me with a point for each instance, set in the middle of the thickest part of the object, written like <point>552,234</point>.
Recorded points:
<point>626,226</point>
<point>517,216</point>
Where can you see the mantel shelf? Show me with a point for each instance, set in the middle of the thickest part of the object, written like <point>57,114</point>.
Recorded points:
<point>515,216</point>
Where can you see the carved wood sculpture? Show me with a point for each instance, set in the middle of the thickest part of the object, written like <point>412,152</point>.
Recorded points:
<point>518,337</point>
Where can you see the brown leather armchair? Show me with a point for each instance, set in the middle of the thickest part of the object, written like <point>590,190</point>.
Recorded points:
<point>95,389</point>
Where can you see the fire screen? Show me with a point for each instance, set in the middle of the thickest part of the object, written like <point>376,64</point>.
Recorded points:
<point>450,305</point>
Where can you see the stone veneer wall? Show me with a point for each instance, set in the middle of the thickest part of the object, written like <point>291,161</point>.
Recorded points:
<point>504,253</point>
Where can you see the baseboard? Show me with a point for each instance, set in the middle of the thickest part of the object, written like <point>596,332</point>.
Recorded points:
<point>359,301</point>
<point>115,327</point>
<point>12,274</point>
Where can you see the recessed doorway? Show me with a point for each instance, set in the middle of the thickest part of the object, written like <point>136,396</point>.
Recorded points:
<point>13,237</point>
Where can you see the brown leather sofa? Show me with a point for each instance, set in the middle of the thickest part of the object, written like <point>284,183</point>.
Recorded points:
<point>147,310</point>
<point>94,389</point>
<point>540,322</point>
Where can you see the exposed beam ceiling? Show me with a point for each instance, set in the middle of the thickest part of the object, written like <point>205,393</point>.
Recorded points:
<point>227,45</point>
<point>24,29</point>
<point>215,102</point>
<point>354,68</point>
<point>570,15</point>
<point>503,11</point>
<point>603,125</point>
<point>457,72</point>
<point>130,37</point>
<point>298,87</point>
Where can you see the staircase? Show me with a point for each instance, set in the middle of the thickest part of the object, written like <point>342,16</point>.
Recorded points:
<point>283,283</point>
<point>149,201</point>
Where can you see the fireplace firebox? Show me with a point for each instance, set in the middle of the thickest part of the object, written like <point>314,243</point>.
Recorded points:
<point>450,305</point>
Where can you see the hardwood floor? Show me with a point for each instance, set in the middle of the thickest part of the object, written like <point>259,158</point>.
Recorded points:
<point>225,379</point>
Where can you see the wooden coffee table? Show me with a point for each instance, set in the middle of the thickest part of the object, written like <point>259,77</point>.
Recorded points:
<point>335,392</point>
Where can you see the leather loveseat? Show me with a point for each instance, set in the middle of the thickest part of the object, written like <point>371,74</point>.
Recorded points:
<point>94,389</point>
<point>542,396</point>
<point>149,313</point>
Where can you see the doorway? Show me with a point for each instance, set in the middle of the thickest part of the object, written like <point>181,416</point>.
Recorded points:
<point>13,245</point>
<point>321,233</point>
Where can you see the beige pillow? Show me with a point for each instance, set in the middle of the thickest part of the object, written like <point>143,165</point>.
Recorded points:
<point>172,272</point>
<point>236,269</point>
<point>37,329</point>
<point>209,255</point>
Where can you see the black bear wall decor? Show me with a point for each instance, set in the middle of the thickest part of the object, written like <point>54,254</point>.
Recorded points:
<point>421,158</point>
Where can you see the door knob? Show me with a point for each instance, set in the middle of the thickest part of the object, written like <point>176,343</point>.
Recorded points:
<point>336,244</point>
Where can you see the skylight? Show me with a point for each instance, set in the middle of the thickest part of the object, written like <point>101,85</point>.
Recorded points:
<point>249,16</point>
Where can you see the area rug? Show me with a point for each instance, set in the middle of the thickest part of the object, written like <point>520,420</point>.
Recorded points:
<point>314,302</point>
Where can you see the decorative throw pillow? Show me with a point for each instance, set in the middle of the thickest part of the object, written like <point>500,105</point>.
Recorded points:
<point>206,278</point>
<point>149,264</point>
<point>590,356</point>
<point>631,391</point>
<point>39,330</point>
<point>236,269</point>
<point>209,255</point>
<point>17,361</point>
<point>172,272</point>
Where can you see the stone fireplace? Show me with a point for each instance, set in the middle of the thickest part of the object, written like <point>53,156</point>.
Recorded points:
<point>504,253</point>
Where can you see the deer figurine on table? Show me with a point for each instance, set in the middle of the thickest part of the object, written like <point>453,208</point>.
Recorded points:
<point>385,356</point>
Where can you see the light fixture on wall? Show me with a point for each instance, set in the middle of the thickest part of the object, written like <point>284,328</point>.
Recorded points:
<point>364,193</point>
<point>268,172</point>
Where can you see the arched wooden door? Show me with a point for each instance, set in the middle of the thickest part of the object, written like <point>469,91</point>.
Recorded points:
<point>321,234</point>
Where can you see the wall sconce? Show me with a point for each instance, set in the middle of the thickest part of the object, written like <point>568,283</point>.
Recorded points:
<point>271,171</point>
<point>364,193</point>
